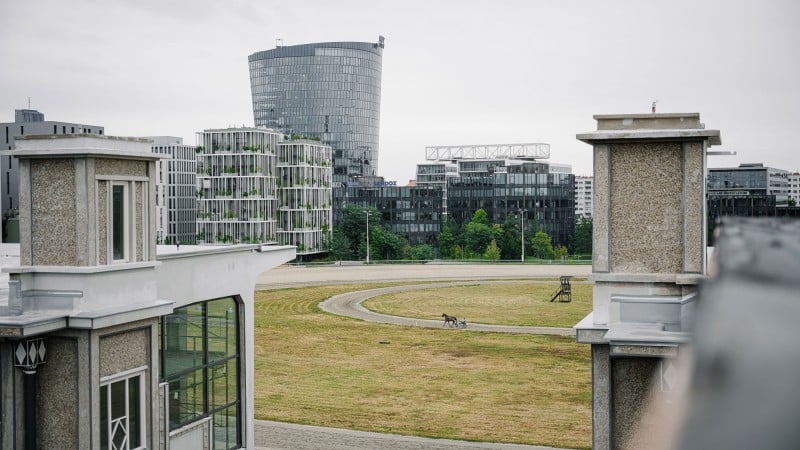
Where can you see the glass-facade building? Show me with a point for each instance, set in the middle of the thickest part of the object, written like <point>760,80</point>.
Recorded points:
<point>546,199</point>
<point>330,91</point>
<point>750,190</point>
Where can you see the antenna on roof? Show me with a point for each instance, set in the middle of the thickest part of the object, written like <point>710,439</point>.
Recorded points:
<point>278,42</point>
<point>654,106</point>
<point>29,103</point>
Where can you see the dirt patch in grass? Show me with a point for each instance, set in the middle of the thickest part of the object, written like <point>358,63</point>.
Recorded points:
<point>497,304</point>
<point>327,370</point>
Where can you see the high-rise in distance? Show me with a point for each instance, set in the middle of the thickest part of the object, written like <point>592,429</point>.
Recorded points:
<point>329,91</point>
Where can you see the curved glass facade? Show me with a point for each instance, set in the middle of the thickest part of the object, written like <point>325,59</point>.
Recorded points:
<point>330,91</point>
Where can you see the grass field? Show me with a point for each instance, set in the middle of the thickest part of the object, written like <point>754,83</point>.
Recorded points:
<point>499,304</point>
<point>316,368</point>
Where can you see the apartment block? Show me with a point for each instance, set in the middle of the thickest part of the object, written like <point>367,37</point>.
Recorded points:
<point>176,200</point>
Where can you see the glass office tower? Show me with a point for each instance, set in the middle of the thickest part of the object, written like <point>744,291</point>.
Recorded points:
<point>329,91</point>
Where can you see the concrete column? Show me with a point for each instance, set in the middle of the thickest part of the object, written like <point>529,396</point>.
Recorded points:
<point>648,256</point>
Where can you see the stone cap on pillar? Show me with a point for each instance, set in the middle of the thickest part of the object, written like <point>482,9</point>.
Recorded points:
<point>651,127</point>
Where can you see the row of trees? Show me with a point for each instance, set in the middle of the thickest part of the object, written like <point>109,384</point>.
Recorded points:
<point>480,238</point>
<point>477,239</point>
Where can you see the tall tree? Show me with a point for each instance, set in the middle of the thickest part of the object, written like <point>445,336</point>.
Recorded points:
<point>478,237</point>
<point>542,245</point>
<point>510,245</point>
<point>354,227</point>
<point>481,217</point>
<point>583,236</point>
<point>446,243</point>
<point>340,246</point>
<point>492,251</point>
<point>387,244</point>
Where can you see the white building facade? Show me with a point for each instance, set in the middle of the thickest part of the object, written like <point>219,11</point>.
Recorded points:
<point>178,208</point>
<point>305,175</point>
<point>794,187</point>
<point>237,189</point>
<point>584,194</point>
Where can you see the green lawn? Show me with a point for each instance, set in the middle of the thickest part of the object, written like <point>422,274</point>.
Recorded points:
<point>500,304</point>
<point>320,369</point>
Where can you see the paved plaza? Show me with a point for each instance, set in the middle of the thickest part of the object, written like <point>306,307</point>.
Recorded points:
<point>288,436</point>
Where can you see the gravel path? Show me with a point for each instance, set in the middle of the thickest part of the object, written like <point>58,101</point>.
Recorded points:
<point>349,305</point>
<point>288,436</point>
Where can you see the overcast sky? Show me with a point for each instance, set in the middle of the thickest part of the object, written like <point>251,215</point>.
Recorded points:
<point>454,72</point>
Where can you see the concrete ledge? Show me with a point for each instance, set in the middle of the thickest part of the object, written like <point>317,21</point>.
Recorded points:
<point>672,278</point>
<point>31,324</point>
<point>612,136</point>
<point>587,332</point>
<point>644,351</point>
<point>82,269</point>
<point>120,315</point>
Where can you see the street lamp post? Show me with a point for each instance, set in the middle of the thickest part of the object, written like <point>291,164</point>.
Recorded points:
<point>368,237</point>
<point>522,227</point>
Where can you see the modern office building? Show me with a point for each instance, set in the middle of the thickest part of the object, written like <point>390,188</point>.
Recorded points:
<point>177,210</point>
<point>750,190</point>
<point>414,212</point>
<point>459,180</point>
<point>505,179</point>
<point>330,91</point>
<point>237,191</point>
<point>583,197</point>
<point>545,199</point>
<point>305,202</point>
<point>27,122</point>
<point>106,340</point>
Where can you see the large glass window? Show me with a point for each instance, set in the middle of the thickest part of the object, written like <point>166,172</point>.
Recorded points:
<point>200,359</point>
<point>122,413</point>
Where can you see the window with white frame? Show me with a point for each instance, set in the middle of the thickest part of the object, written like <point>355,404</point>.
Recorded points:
<point>122,411</point>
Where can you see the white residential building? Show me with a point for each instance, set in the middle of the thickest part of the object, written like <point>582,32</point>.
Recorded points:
<point>583,196</point>
<point>794,187</point>
<point>237,192</point>
<point>305,174</point>
<point>178,208</point>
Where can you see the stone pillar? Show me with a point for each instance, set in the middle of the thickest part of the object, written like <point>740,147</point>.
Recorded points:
<point>648,255</point>
<point>65,185</point>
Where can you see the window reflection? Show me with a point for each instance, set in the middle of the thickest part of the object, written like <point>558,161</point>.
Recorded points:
<point>200,359</point>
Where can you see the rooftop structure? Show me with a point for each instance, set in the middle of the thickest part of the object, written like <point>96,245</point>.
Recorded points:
<point>490,151</point>
<point>649,254</point>
<point>27,123</point>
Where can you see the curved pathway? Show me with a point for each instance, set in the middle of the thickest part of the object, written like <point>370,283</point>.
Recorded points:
<point>276,435</point>
<point>349,305</point>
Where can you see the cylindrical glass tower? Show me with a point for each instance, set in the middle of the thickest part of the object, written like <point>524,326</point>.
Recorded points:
<point>329,91</point>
